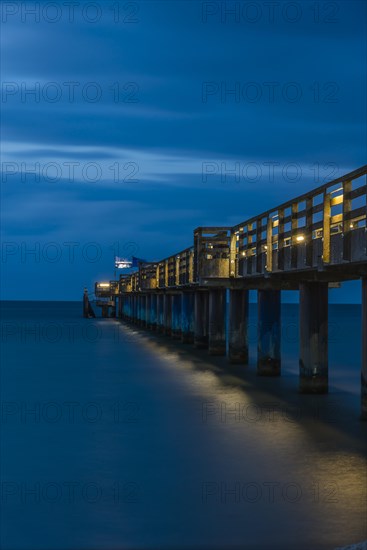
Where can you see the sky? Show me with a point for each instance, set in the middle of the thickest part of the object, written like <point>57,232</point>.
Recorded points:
<point>125,125</point>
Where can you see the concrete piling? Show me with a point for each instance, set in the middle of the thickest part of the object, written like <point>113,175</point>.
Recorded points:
<point>217,321</point>
<point>187,317</point>
<point>167,314</point>
<point>138,308</point>
<point>160,312</point>
<point>238,326</point>
<point>134,308</point>
<point>201,328</point>
<point>176,316</point>
<point>199,318</point>
<point>269,333</point>
<point>144,311</point>
<point>153,311</point>
<point>148,302</point>
<point>364,351</point>
<point>313,362</point>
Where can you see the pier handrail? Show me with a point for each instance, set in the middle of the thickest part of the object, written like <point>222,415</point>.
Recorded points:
<point>323,227</point>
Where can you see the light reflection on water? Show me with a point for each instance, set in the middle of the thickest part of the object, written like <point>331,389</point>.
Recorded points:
<point>187,452</point>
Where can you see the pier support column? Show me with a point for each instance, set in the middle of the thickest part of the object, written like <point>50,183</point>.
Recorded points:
<point>138,304</point>
<point>126,307</point>
<point>364,351</point>
<point>268,343</point>
<point>121,304</point>
<point>201,319</point>
<point>313,322</point>
<point>176,316</point>
<point>138,309</point>
<point>167,314</point>
<point>143,315</point>
<point>148,301</point>
<point>129,307</point>
<point>238,326</point>
<point>133,308</point>
<point>160,313</point>
<point>114,307</point>
<point>217,321</point>
<point>187,317</point>
<point>123,299</point>
<point>153,311</point>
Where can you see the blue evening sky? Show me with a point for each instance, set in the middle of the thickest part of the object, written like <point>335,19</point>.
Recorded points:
<point>128,124</point>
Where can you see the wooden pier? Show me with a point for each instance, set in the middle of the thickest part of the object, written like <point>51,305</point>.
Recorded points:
<point>308,244</point>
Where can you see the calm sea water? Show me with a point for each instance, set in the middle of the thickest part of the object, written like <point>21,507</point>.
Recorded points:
<point>113,438</point>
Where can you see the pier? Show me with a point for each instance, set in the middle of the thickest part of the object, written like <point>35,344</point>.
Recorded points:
<point>310,243</point>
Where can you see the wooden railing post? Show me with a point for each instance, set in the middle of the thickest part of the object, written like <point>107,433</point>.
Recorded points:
<point>326,255</point>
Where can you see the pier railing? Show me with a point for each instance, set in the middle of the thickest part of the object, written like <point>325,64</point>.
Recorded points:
<point>322,228</point>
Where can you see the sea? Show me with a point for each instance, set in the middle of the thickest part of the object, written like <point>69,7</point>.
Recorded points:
<point>113,437</point>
